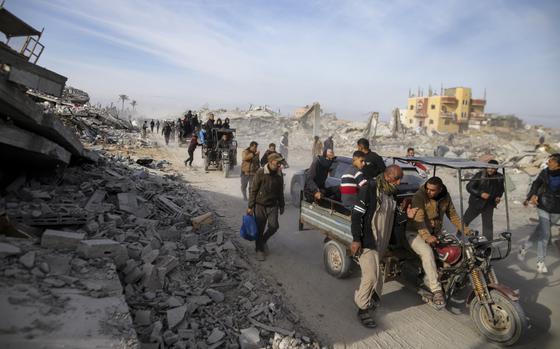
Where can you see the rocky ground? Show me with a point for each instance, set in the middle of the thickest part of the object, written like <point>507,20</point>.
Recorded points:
<point>139,253</point>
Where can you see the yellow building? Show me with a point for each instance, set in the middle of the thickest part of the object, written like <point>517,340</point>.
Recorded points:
<point>449,112</point>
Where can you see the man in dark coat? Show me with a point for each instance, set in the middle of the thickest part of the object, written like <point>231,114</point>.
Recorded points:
<point>328,144</point>
<point>317,174</point>
<point>374,163</point>
<point>486,189</point>
<point>192,147</point>
<point>545,194</point>
<point>271,150</point>
<point>266,201</point>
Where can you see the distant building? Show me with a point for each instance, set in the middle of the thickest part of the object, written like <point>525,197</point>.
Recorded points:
<point>451,112</point>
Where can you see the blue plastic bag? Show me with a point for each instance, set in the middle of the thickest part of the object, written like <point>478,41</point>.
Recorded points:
<point>249,229</point>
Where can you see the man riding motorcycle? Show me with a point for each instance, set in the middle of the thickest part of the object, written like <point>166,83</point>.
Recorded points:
<point>432,201</point>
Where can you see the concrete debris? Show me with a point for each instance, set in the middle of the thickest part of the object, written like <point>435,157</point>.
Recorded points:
<point>61,240</point>
<point>28,260</point>
<point>8,250</point>
<point>249,338</point>
<point>201,220</point>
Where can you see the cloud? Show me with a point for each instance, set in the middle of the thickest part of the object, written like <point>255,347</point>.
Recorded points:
<point>351,56</point>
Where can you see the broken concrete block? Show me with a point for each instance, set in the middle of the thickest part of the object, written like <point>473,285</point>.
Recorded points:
<point>28,260</point>
<point>95,202</point>
<point>151,256</point>
<point>128,202</point>
<point>189,240</point>
<point>176,315</point>
<point>173,302</point>
<point>151,278</point>
<point>133,275</point>
<point>215,336</point>
<point>99,248</point>
<point>155,336</point>
<point>216,296</point>
<point>167,263</point>
<point>204,219</point>
<point>61,240</point>
<point>170,338</point>
<point>249,338</point>
<point>199,300</point>
<point>8,250</point>
<point>143,317</point>
<point>192,257</point>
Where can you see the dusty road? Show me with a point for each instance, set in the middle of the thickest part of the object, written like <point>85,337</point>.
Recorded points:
<point>326,304</point>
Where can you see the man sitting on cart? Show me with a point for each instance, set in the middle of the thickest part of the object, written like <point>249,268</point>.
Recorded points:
<point>432,201</point>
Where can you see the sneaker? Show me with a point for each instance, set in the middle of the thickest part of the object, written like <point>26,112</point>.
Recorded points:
<point>260,256</point>
<point>521,253</point>
<point>541,268</point>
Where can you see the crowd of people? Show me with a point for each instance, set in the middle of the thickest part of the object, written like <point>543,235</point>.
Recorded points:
<point>367,194</point>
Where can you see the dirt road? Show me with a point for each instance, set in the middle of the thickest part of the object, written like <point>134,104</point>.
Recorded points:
<point>325,304</point>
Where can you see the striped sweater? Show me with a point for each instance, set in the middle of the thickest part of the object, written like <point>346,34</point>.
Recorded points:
<point>350,185</point>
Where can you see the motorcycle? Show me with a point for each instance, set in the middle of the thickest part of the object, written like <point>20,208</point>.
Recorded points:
<point>494,307</point>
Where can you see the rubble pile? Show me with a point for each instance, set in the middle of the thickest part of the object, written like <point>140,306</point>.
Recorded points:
<point>183,278</point>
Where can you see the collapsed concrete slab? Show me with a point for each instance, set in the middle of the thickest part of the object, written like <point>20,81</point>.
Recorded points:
<point>24,148</point>
<point>62,240</point>
<point>30,116</point>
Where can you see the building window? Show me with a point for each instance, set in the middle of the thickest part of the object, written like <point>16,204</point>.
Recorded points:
<point>433,106</point>
<point>411,107</point>
<point>410,121</point>
<point>421,123</point>
<point>431,122</point>
<point>447,121</point>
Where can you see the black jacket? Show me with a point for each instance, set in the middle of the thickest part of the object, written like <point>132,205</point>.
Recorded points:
<point>267,189</point>
<point>374,165</point>
<point>362,214</point>
<point>328,144</point>
<point>481,183</point>
<point>549,199</point>
<point>317,174</point>
<point>264,159</point>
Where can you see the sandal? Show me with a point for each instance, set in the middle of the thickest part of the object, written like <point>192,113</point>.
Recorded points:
<point>438,300</point>
<point>366,319</point>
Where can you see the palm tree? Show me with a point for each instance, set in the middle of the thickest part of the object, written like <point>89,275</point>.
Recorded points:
<point>123,98</point>
<point>133,104</point>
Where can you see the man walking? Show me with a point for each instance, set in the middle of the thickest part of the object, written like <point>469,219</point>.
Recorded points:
<point>374,163</point>
<point>271,150</point>
<point>249,166</point>
<point>157,127</point>
<point>352,180</point>
<point>545,194</point>
<point>266,201</point>
<point>144,129</point>
<point>152,124</point>
<point>284,146</point>
<point>192,147</point>
<point>372,223</point>
<point>486,189</point>
<point>328,144</point>
<point>166,132</point>
<point>317,149</point>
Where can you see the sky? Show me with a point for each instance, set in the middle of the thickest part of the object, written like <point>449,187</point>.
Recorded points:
<point>354,57</point>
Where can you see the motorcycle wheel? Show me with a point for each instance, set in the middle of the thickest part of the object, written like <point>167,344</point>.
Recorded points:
<point>511,323</point>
